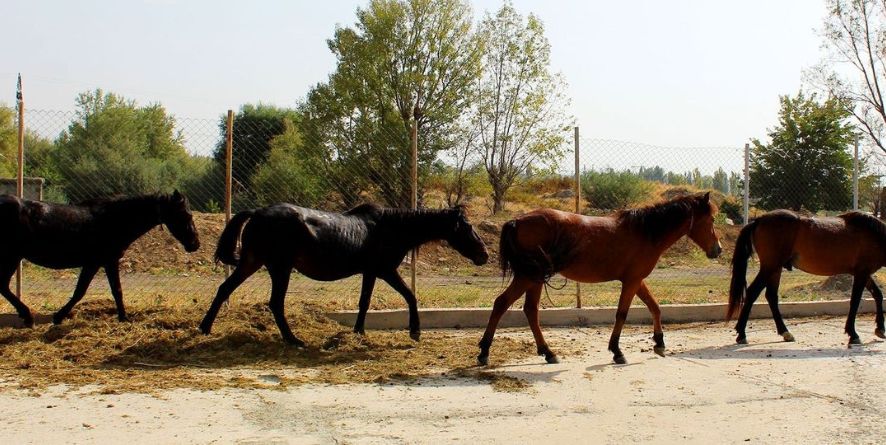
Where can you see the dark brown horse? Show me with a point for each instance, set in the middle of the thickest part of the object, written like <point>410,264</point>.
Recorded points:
<point>624,247</point>
<point>326,246</point>
<point>91,235</point>
<point>853,243</point>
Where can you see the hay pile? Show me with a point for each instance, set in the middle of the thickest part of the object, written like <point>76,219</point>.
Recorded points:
<point>161,349</point>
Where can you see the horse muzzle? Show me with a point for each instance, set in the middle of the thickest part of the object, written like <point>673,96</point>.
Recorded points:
<point>193,246</point>
<point>715,251</point>
<point>481,259</point>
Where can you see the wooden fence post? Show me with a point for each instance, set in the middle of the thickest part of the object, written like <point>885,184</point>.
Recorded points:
<point>20,175</point>
<point>577,208</point>
<point>414,196</point>
<point>229,156</point>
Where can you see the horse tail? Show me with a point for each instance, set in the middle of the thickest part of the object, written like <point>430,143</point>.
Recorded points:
<point>540,265</point>
<point>226,251</point>
<point>744,247</point>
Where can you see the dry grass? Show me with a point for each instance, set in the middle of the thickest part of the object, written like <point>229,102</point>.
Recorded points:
<point>161,349</point>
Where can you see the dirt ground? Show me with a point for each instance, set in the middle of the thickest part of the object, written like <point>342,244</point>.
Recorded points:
<point>707,390</point>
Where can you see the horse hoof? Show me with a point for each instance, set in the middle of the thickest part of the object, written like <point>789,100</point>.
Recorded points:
<point>880,333</point>
<point>620,360</point>
<point>483,360</point>
<point>415,335</point>
<point>295,342</point>
<point>854,341</point>
<point>123,319</point>
<point>57,319</point>
<point>660,350</point>
<point>787,336</point>
<point>741,340</point>
<point>551,359</point>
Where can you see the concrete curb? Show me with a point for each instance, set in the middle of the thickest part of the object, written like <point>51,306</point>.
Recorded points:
<point>677,313</point>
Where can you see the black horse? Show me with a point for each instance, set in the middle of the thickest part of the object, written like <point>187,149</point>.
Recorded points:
<point>90,235</point>
<point>330,246</point>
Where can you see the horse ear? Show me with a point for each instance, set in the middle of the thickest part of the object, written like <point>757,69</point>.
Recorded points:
<point>178,196</point>
<point>706,198</point>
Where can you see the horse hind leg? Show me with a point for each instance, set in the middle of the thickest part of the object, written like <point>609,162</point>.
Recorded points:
<point>504,301</point>
<point>772,299</point>
<point>6,273</point>
<point>530,308</point>
<point>248,266</point>
<point>752,292</point>
<point>279,283</point>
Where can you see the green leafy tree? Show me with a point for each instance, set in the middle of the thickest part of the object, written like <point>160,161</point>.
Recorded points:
<point>285,177</point>
<point>610,189</point>
<point>255,125</point>
<point>806,164</point>
<point>115,146</point>
<point>403,62</point>
<point>8,143</point>
<point>720,181</point>
<point>520,102</point>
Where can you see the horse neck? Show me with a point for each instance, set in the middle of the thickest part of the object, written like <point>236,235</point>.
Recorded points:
<point>673,236</point>
<point>130,218</point>
<point>412,228</point>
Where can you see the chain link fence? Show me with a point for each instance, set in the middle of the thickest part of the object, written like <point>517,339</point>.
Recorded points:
<point>334,165</point>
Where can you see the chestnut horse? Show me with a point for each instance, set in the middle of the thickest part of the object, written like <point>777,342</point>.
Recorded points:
<point>325,246</point>
<point>624,247</point>
<point>853,243</point>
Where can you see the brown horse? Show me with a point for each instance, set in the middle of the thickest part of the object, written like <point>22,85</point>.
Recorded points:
<point>624,247</point>
<point>853,243</point>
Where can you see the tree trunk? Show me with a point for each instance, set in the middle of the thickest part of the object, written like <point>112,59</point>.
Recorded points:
<point>498,200</point>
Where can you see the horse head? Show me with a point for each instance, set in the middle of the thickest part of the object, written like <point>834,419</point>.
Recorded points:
<point>701,225</point>
<point>175,214</point>
<point>464,239</point>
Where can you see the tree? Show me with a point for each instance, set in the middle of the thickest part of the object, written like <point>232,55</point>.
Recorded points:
<point>610,189</point>
<point>8,143</point>
<point>519,101</point>
<point>853,34</point>
<point>255,125</point>
<point>403,62</point>
<point>115,146</point>
<point>285,177</point>
<point>806,165</point>
<point>720,181</point>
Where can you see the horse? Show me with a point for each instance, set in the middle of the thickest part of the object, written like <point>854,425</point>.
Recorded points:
<point>852,243</point>
<point>368,240</point>
<point>624,246</point>
<point>89,235</point>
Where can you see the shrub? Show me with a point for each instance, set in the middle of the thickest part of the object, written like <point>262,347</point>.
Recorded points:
<point>610,189</point>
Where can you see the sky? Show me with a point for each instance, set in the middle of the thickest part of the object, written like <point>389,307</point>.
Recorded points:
<point>676,73</point>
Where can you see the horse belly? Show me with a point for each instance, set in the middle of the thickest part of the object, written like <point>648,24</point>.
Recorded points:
<point>825,253</point>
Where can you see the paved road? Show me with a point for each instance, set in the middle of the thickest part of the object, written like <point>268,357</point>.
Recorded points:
<point>707,391</point>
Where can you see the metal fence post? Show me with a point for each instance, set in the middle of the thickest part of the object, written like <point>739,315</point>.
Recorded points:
<point>577,208</point>
<point>747,181</point>
<point>20,175</point>
<point>414,137</point>
<point>229,155</point>
<point>855,178</point>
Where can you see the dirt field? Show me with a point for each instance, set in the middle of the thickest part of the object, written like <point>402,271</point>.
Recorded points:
<point>706,390</point>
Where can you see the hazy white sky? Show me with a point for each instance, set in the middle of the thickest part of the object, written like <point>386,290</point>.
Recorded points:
<point>674,73</point>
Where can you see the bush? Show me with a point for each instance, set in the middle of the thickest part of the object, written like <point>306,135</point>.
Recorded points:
<point>611,190</point>
<point>733,209</point>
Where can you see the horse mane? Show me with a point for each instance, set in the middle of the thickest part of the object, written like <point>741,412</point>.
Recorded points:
<point>114,199</point>
<point>658,220</point>
<point>866,222</point>
<point>364,209</point>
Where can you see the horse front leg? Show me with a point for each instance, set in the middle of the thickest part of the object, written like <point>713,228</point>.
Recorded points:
<point>6,273</point>
<point>112,271</point>
<point>514,291</point>
<point>878,299</point>
<point>396,281</point>
<point>86,276</point>
<point>858,285</point>
<point>657,330</point>
<point>628,290</point>
<point>365,295</point>
<point>772,299</point>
